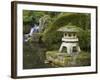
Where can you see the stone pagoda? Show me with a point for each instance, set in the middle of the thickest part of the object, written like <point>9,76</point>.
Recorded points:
<point>69,39</point>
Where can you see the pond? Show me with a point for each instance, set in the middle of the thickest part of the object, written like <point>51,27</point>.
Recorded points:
<point>34,55</point>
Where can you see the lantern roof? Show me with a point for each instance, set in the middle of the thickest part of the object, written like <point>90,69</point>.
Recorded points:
<point>69,28</point>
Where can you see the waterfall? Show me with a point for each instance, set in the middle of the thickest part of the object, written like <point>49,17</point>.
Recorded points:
<point>28,36</point>
<point>34,29</point>
<point>43,21</point>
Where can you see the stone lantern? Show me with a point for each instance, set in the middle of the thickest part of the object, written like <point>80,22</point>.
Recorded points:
<point>69,39</point>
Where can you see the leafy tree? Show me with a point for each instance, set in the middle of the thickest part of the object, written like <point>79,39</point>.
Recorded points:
<point>53,37</point>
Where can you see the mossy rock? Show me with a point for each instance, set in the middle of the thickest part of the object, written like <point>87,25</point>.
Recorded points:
<point>57,58</point>
<point>65,60</point>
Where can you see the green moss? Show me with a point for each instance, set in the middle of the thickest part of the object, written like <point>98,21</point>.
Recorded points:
<point>63,59</point>
<point>84,59</point>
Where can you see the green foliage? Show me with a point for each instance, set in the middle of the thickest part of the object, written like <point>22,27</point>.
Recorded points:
<point>29,18</point>
<point>28,15</point>
<point>84,40</point>
<point>52,36</point>
<point>84,59</point>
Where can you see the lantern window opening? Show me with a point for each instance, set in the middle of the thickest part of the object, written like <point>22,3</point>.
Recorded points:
<point>74,49</point>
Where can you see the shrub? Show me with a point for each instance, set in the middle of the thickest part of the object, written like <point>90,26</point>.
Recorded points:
<point>53,37</point>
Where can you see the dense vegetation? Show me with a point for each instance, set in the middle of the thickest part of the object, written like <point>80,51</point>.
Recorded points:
<point>80,20</point>
<point>50,37</point>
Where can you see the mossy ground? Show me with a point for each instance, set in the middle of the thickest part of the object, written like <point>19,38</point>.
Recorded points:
<point>64,60</point>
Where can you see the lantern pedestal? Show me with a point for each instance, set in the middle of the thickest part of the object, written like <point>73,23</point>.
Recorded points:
<point>71,48</point>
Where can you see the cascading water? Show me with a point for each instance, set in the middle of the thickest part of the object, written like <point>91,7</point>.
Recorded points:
<point>37,28</point>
